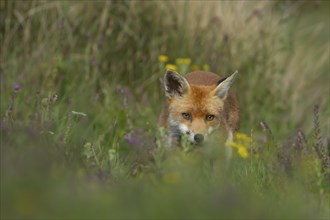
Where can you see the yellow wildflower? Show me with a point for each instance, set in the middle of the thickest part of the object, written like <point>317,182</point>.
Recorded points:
<point>162,58</point>
<point>241,145</point>
<point>195,67</point>
<point>172,178</point>
<point>235,145</point>
<point>184,61</point>
<point>242,151</point>
<point>243,137</point>
<point>231,144</point>
<point>171,67</point>
<point>206,67</point>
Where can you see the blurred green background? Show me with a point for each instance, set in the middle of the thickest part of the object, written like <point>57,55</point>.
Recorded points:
<point>81,94</point>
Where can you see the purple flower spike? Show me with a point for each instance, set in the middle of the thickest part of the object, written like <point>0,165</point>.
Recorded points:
<point>17,87</point>
<point>135,138</point>
<point>138,138</point>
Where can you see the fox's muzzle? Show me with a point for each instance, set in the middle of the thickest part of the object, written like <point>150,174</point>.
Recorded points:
<point>199,138</point>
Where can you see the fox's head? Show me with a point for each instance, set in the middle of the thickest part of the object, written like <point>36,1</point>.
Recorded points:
<point>195,110</point>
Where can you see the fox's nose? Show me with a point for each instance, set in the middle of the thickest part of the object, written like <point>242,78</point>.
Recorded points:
<point>199,138</point>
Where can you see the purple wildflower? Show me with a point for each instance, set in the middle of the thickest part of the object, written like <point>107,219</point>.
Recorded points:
<point>17,87</point>
<point>135,138</point>
<point>138,138</point>
<point>262,138</point>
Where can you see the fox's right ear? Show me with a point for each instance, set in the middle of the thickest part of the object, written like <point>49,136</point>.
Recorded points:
<point>175,84</point>
<point>222,89</point>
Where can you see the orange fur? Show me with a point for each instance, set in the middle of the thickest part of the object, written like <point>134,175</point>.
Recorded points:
<point>199,98</point>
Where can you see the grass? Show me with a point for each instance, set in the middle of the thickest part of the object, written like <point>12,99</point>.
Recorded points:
<point>81,95</point>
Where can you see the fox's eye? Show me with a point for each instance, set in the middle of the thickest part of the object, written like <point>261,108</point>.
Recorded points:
<point>186,116</point>
<point>209,117</point>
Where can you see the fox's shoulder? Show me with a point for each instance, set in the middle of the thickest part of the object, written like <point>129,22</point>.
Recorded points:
<point>203,78</point>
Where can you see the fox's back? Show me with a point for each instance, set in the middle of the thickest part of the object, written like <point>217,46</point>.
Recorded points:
<point>203,78</point>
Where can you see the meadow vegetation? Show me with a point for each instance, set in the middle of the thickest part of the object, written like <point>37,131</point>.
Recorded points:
<point>81,91</point>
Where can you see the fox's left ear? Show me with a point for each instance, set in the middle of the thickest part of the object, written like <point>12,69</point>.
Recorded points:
<point>175,84</point>
<point>222,89</point>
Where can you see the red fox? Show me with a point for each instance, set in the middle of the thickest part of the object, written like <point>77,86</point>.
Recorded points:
<point>197,105</point>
